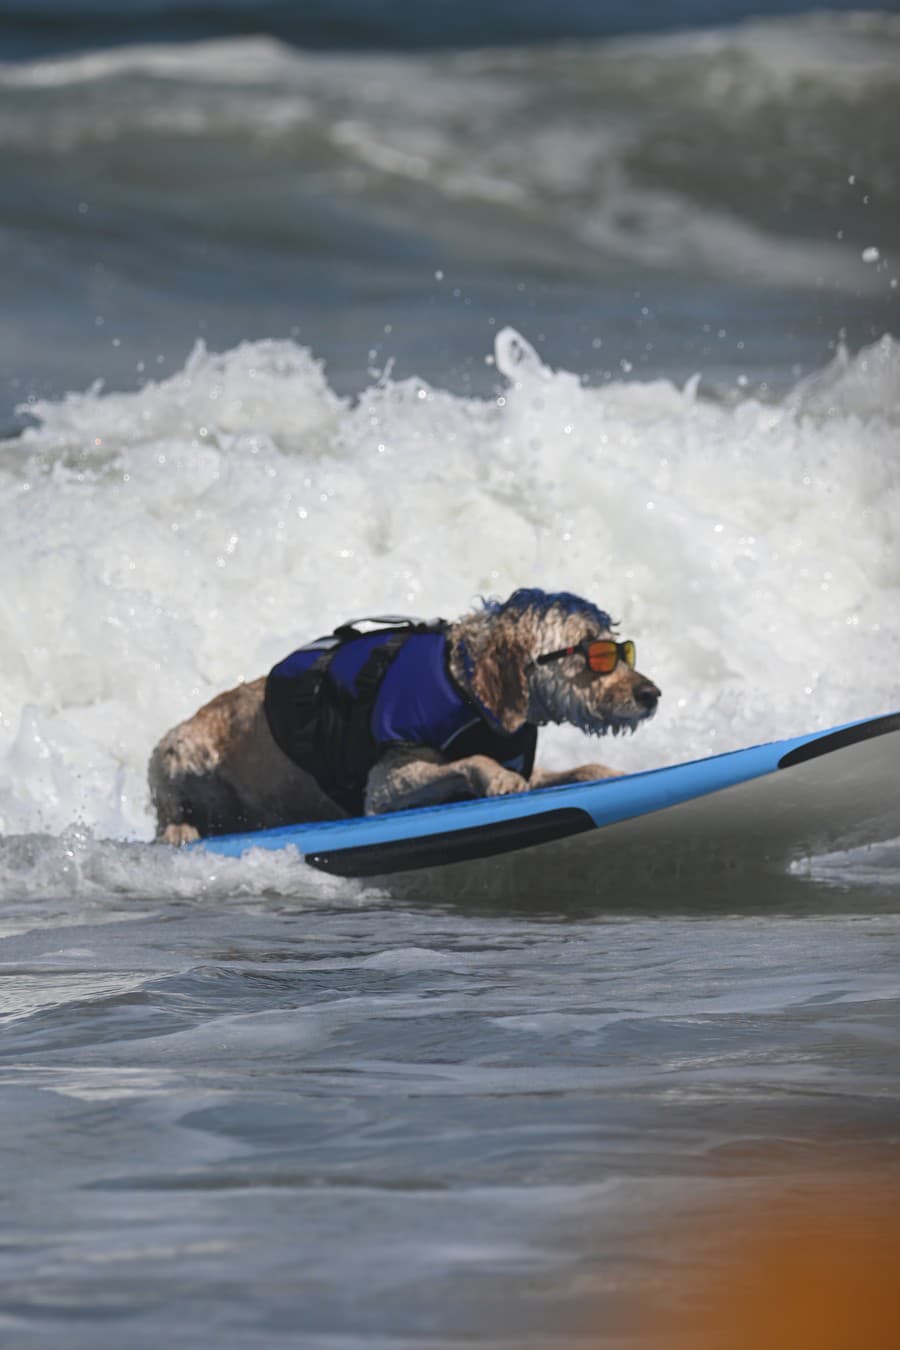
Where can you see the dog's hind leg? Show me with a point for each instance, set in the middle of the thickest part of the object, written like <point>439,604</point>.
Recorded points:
<point>192,789</point>
<point>190,798</point>
<point>220,772</point>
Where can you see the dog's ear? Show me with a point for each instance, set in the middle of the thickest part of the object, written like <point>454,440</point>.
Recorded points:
<point>499,681</point>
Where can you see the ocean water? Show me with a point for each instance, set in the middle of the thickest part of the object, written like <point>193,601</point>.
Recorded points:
<point>291,335</point>
<point>723,202</point>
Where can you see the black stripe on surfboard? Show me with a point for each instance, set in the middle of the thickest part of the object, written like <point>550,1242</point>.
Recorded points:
<point>839,740</point>
<point>433,850</point>
<point>484,841</point>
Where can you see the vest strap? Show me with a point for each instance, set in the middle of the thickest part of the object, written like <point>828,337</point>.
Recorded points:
<point>323,727</point>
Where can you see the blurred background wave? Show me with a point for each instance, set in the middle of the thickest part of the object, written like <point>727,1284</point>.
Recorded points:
<point>38,26</point>
<point>393,180</point>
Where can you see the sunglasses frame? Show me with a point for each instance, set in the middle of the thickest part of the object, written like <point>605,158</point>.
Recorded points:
<point>623,651</point>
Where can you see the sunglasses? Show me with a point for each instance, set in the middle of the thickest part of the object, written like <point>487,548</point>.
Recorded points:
<point>601,654</point>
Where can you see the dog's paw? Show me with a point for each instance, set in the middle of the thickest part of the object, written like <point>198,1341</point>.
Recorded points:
<point>580,773</point>
<point>484,777</point>
<point>503,782</point>
<point>588,773</point>
<point>178,835</point>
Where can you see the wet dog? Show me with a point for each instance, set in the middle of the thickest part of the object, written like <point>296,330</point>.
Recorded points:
<point>505,669</point>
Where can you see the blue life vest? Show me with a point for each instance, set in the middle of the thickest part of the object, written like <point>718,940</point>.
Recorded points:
<point>334,706</point>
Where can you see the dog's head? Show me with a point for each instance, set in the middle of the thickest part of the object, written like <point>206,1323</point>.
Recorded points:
<point>510,678</point>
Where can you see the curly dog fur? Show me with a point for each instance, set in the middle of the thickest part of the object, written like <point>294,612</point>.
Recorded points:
<point>221,771</point>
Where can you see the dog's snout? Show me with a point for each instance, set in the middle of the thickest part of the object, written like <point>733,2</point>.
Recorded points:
<point>646,695</point>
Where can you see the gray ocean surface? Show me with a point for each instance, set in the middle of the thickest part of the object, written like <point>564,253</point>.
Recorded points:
<point>247,1105</point>
<point>263,1122</point>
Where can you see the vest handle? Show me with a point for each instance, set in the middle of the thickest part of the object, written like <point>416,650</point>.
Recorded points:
<point>391,620</point>
<point>351,629</point>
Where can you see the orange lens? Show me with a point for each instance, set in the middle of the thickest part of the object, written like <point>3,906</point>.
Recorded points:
<point>603,656</point>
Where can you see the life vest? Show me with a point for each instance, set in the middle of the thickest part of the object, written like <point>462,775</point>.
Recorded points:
<point>334,705</point>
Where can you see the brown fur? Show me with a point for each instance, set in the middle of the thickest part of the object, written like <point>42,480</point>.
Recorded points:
<point>221,771</point>
<point>499,680</point>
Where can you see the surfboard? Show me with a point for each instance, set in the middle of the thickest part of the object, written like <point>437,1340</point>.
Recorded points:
<point>775,803</point>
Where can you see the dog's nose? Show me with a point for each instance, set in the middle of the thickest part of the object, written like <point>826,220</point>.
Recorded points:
<point>646,695</point>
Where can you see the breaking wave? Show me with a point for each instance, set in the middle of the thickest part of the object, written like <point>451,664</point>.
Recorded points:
<point>160,546</point>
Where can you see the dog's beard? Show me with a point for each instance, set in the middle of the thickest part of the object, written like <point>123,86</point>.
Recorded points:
<point>612,724</point>
<point>559,701</point>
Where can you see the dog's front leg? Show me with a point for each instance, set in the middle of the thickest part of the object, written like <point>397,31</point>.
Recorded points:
<point>411,776</point>
<point>582,773</point>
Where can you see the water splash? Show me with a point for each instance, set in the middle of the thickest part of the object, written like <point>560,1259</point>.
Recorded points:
<point>160,546</point>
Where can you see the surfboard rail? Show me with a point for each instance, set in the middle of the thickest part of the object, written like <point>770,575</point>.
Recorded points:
<point>429,837</point>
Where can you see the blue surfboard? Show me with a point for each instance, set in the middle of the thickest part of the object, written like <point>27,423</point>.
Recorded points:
<point>779,801</point>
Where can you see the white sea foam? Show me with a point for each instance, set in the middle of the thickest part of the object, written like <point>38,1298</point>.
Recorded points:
<point>160,546</point>
<point>99,872</point>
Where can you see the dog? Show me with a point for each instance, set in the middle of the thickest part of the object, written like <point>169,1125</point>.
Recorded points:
<point>307,744</point>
